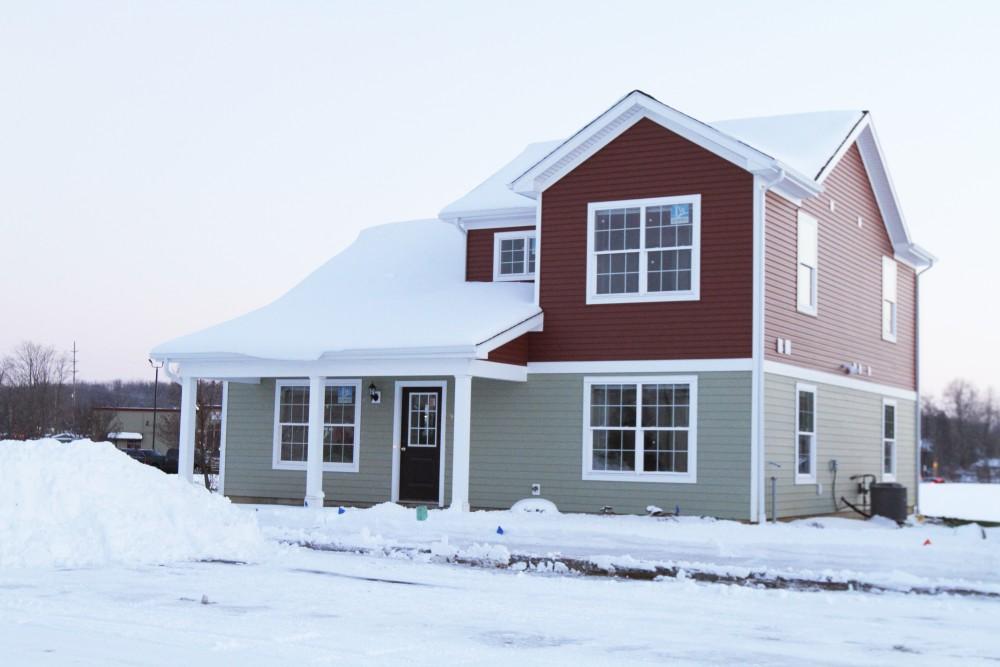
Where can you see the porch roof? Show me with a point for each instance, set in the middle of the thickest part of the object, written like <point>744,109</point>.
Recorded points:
<point>398,290</point>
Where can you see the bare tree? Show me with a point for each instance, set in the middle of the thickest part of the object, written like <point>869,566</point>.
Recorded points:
<point>34,374</point>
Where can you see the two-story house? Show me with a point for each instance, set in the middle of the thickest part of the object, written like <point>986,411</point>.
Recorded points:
<point>654,311</point>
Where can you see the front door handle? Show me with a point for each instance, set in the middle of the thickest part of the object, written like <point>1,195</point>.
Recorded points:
<point>402,449</point>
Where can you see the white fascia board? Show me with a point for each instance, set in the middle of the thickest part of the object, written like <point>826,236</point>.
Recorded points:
<point>641,366</point>
<point>613,122</point>
<point>485,218</point>
<point>888,203</point>
<point>254,369</point>
<point>823,377</point>
<point>533,323</point>
<point>637,105</point>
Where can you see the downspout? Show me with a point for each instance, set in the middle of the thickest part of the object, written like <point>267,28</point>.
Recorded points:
<point>916,371</point>
<point>757,490</point>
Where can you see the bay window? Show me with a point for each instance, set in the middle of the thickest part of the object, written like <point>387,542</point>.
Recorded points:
<point>644,250</point>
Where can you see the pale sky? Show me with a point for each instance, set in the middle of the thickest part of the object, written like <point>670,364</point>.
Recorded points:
<point>166,166</point>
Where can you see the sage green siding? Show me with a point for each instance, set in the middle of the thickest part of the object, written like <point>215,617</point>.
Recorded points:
<point>250,441</point>
<point>524,433</point>
<point>848,429</point>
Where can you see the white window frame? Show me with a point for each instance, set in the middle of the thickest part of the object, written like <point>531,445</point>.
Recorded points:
<point>810,478</point>
<point>807,257</point>
<point>890,278</point>
<point>529,236</point>
<point>278,464</point>
<point>889,476</point>
<point>642,295</point>
<point>689,477</point>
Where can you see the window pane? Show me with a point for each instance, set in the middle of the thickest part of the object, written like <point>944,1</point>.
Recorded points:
<point>805,286</point>
<point>531,255</point>
<point>805,454</point>
<point>294,405</point>
<point>512,256</point>
<point>806,412</point>
<point>887,457</point>
<point>889,419</point>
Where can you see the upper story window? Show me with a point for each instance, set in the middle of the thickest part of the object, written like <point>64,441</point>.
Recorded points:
<point>889,308</point>
<point>644,250</point>
<point>808,263</point>
<point>514,255</point>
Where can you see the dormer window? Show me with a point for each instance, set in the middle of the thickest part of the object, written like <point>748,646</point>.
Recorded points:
<point>644,250</point>
<point>514,255</point>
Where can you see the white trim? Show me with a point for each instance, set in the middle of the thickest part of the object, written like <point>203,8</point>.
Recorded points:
<point>494,370</point>
<point>823,377</point>
<point>643,296</point>
<point>890,295</point>
<point>187,427</point>
<point>627,112</point>
<point>889,477</point>
<point>641,366</point>
<point>499,219</point>
<point>222,438</point>
<point>397,406</point>
<point>538,251</point>
<point>278,464</point>
<point>800,478</point>
<point>236,367</point>
<point>690,477</point>
<point>811,308</point>
<point>533,323</point>
<point>461,444</point>
<point>528,235</point>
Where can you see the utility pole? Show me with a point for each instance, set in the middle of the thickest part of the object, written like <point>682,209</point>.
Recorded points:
<point>156,385</point>
<point>73,396</point>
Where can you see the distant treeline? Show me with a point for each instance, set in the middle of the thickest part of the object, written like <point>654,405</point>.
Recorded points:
<point>961,428</point>
<point>37,396</point>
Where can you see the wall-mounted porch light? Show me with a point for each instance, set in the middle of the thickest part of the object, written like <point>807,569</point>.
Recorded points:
<point>374,394</point>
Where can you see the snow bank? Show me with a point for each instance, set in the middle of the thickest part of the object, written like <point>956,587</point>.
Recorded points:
<point>973,502</point>
<point>85,504</point>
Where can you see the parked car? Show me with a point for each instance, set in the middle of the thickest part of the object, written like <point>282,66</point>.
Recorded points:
<point>147,456</point>
<point>170,462</point>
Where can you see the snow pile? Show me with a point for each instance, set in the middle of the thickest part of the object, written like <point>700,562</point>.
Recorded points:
<point>876,552</point>
<point>85,503</point>
<point>974,502</point>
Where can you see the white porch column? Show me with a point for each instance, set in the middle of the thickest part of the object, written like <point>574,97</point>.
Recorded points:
<point>314,451</point>
<point>461,440</point>
<point>185,448</point>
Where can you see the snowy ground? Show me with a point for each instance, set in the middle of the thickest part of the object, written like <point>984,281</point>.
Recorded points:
<point>975,502</point>
<point>71,593</point>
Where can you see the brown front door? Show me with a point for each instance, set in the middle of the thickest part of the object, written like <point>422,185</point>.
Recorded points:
<point>420,444</point>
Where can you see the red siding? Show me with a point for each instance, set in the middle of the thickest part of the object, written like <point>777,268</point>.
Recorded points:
<point>648,161</point>
<point>512,352</point>
<point>479,252</point>
<point>849,325</point>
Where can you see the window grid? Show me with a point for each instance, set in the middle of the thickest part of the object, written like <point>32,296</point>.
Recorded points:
<point>340,412</point>
<point>514,255</point>
<point>640,428</point>
<point>423,419</point>
<point>805,427</point>
<point>888,440</point>
<point>644,250</point>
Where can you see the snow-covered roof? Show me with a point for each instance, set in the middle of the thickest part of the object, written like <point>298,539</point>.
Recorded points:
<point>124,435</point>
<point>804,141</point>
<point>493,197</point>
<point>398,287</point>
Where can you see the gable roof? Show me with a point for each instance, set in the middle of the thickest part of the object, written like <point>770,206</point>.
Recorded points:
<point>806,141</point>
<point>398,289</point>
<point>795,152</point>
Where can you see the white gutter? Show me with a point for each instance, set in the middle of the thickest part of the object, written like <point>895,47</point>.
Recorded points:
<point>757,503</point>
